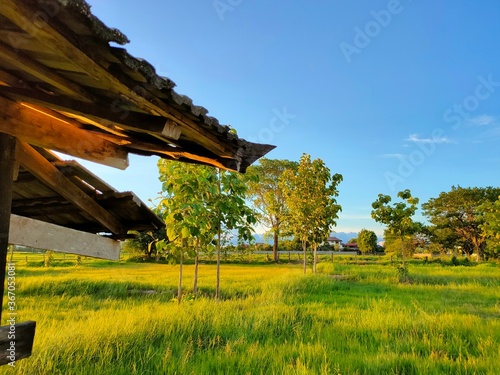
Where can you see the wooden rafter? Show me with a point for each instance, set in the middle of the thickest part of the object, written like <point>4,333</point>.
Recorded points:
<point>43,73</point>
<point>41,129</point>
<point>40,167</point>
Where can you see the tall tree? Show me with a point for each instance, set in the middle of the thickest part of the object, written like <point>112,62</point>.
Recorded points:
<point>457,213</point>
<point>267,196</point>
<point>397,217</point>
<point>310,193</point>
<point>367,241</point>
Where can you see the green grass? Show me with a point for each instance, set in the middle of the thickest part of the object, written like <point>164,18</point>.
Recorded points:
<point>350,318</point>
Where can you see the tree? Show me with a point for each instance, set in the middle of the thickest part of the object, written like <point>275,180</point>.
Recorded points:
<point>267,196</point>
<point>397,217</point>
<point>457,215</point>
<point>310,193</point>
<point>232,211</point>
<point>199,202</point>
<point>491,227</point>
<point>188,191</point>
<point>367,241</point>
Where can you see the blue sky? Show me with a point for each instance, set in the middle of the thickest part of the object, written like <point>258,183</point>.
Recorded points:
<point>391,94</point>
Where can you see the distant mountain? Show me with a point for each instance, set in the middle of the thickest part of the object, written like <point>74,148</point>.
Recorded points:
<point>344,236</point>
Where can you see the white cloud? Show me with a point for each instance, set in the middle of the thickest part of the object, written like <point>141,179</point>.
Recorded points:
<point>416,139</point>
<point>392,156</point>
<point>482,120</point>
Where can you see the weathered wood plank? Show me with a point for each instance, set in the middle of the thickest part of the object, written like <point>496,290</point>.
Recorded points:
<point>41,235</point>
<point>40,71</point>
<point>16,342</point>
<point>40,129</point>
<point>40,167</point>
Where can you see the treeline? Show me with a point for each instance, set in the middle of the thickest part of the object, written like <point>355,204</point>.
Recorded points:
<point>462,220</point>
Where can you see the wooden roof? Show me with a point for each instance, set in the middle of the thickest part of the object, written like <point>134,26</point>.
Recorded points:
<point>64,87</point>
<point>65,200</point>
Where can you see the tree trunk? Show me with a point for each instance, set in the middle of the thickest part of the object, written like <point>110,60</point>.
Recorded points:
<point>304,247</point>
<point>179,289</point>
<point>275,247</point>
<point>217,285</point>
<point>196,262</point>
<point>403,252</point>
<point>315,261</point>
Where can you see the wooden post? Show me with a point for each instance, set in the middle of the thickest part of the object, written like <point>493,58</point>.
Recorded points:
<point>7,167</point>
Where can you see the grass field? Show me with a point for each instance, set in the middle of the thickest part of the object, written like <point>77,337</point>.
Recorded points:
<point>350,318</point>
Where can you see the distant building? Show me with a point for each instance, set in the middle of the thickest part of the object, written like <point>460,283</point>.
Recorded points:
<point>335,241</point>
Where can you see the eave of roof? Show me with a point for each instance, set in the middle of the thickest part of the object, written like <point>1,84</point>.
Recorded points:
<point>64,67</point>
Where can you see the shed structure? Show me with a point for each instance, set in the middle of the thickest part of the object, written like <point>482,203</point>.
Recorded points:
<point>67,85</point>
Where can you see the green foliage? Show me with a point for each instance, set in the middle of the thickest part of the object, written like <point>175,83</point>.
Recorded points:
<point>144,243</point>
<point>398,218</point>
<point>457,219</point>
<point>310,193</point>
<point>267,196</point>
<point>491,227</point>
<point>197,202</point>
<point>367,241</point>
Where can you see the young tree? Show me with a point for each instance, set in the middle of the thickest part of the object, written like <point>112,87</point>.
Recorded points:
<point>367,241</point>
<point>188,191</point>
<point>397,217</point>
<point>267,196</point>
<point>231,210</point>
<point>457,213</point>
<point>310,193</point>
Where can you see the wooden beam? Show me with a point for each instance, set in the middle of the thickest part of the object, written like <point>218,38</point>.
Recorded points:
<point>40,167</point>
<point>7,167</point>
<point>16,342</point>
<point>56,36</point>
<point>40,71</point>
<point>41,129</point>
<point>41,235</point>
<point>8,79</point>
<point>106,115</point>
